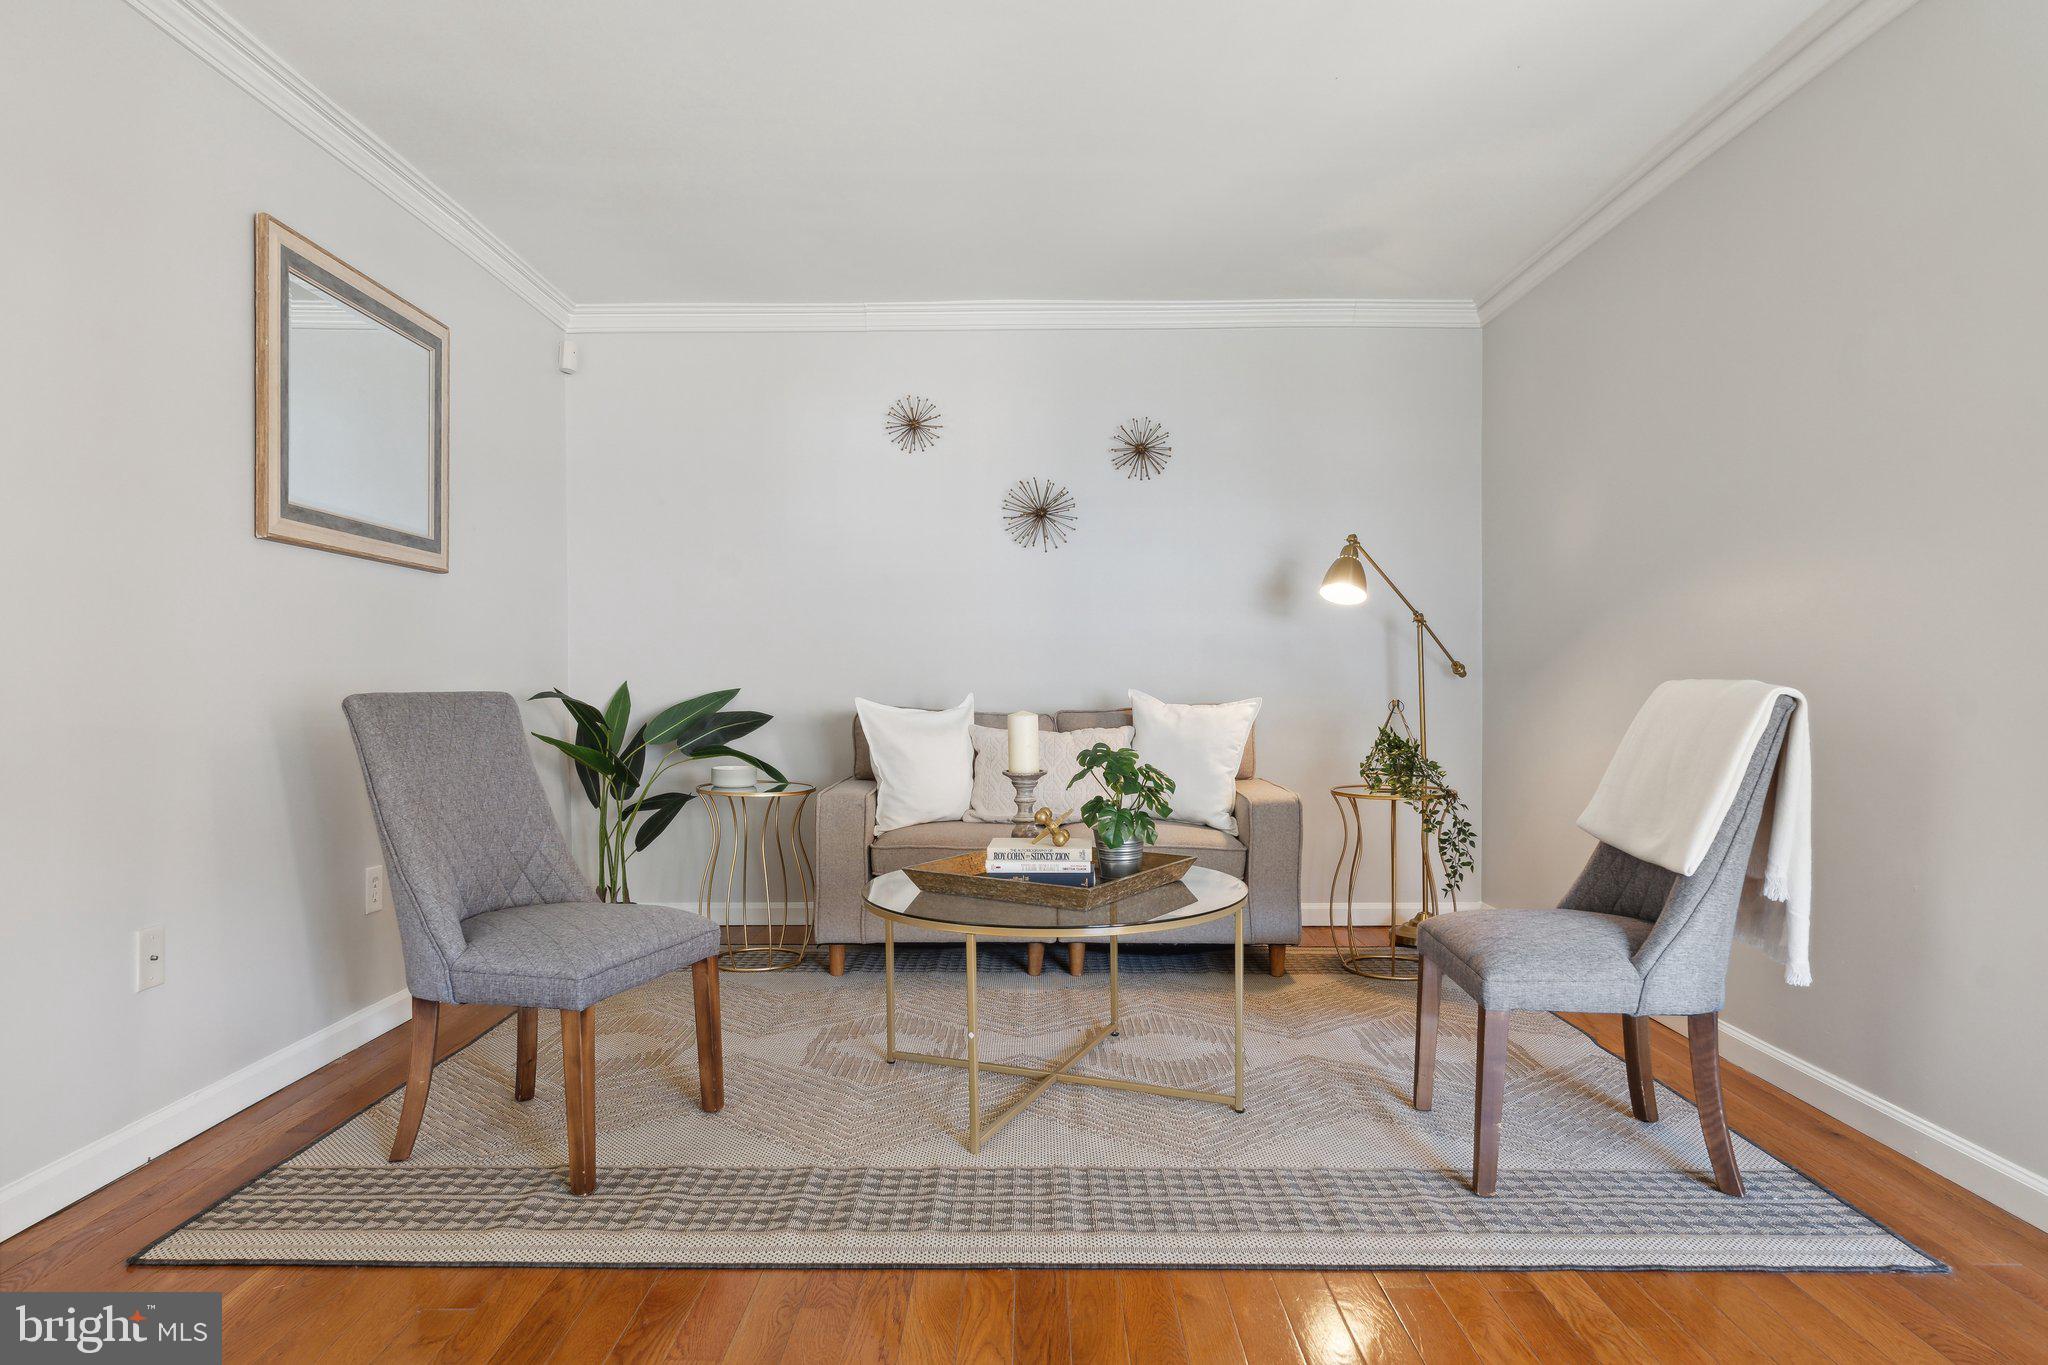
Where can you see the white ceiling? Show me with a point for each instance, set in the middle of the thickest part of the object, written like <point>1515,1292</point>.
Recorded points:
<point>678,150</point>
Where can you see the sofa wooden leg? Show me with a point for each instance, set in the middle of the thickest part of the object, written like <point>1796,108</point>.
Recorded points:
<point>529,1052</point>
<point>835,959</point>
<point>1642,1073</point>
<point>1077,958</point>
<point>1429,993</point>
<point>1493,1070</point>
<point>710,1037</point>
<point>419,1075</point>
<point>1034,958</point>
<point>1276,959</point>
<point>1704,1033</point>
<point>579,1091</point>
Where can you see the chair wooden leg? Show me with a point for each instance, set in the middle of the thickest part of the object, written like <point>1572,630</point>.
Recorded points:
<point>1493,1070</point>
<point>1429,994</point>
<point>1704,1032</point>
<point>1034,958</point>
<point>835,959</point>
<point>529,1050</point>
<point>579,1089</point>
<point>426,1033</point>
<point>1077,958</point>
<point>1276,959</point>
<point>710,1038</point>
<point>1642,1078</point>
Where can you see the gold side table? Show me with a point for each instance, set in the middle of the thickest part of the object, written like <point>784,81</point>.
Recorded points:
<point>773,933</point>
<point>1397,961</point>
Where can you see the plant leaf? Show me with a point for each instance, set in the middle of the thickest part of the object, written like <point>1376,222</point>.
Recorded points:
<point>664,728</point>
<point>661,810</point>
<point>722,728</point>
<point>591,758</point>
<point>587,716</point>
<point>618,711</point>
<point>720,751</point>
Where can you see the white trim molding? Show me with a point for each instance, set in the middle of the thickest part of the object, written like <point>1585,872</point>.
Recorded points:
<point>1978,1169</point>
<point>204,29</point>
<point>1830,34</point>
<point>68,1179</point>
<point>982,315</point>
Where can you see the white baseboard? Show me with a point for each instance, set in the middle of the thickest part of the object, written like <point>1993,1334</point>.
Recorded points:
<point>1319,914</point>
<point>68,1179</point>
<point>2009,1185</point>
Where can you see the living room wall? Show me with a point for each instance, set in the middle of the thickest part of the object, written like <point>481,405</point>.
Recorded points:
<point>174,685</point>
<point>1782,423</point>
<point>737,518</point>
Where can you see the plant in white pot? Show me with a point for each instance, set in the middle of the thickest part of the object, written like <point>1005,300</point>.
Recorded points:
<point>1133,793</point>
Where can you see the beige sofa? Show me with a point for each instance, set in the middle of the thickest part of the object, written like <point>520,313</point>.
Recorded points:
<point>1265,852</point>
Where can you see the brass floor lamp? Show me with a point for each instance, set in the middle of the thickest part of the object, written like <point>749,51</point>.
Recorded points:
<point>1346,584</point>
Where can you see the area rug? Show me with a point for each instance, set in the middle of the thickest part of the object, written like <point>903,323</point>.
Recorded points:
<point>825,1155</point>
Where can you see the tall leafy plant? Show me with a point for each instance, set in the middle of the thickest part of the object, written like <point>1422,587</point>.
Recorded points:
<point>1134,792</point>
<point>1398,767</point>
<point>612,764</point>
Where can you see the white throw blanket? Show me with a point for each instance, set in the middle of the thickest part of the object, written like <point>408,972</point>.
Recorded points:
<point>1673,780</point>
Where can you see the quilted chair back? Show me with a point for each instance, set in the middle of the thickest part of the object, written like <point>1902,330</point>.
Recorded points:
<point>464,823</point>
<point>1684,961</point>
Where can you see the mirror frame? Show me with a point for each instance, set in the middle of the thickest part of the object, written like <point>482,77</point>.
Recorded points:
<point>280,254</point>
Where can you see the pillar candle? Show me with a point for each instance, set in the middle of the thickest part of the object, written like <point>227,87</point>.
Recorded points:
<point>1024,742</point>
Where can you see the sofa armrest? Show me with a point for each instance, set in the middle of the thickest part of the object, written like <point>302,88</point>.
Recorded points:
<point>1269,823</point>
<point>846,825</point>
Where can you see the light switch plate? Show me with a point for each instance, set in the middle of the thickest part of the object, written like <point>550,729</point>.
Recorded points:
<point>149,958</point>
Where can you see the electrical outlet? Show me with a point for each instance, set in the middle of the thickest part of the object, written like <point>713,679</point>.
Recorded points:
<point>149,958</point>
<point>373,890</point>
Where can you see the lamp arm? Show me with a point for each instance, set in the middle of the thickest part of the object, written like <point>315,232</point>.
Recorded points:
<point>1457,669</point>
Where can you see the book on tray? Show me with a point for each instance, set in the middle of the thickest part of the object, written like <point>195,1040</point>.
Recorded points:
<point>1022,860</point>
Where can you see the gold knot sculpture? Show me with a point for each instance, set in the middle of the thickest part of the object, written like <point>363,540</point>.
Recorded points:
<point>1050,826</point>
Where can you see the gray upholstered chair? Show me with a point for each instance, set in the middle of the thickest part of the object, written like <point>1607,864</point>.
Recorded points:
<point>493,911</point>
<point>1631,939</point>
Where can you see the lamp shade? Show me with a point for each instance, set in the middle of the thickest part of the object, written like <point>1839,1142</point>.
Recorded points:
<point>1345,583</point>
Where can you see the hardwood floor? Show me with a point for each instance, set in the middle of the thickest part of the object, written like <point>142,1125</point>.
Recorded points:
<point>1994,1307</point>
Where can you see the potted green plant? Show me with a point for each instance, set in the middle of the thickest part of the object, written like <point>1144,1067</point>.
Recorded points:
<point>1133,793</point>
<point>611,763</point>
<point>1396,765</point>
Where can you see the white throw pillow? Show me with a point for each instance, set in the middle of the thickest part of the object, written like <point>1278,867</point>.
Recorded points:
<point>1059,754</point>
<point>1200,748</point>
<point>923,760</point>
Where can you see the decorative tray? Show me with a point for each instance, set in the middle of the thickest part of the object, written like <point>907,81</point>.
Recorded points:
<point>962,875</point>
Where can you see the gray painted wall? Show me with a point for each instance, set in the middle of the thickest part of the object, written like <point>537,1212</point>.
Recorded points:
<point>173,685</point>
<point>1789,421</point>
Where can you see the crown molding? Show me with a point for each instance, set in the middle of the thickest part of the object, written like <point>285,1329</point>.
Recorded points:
<point>243,58</point>
<point>1831,33</point>
<point>1021,315</point>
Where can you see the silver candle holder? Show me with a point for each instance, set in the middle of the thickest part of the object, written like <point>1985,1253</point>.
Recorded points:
<point>1023,826</point>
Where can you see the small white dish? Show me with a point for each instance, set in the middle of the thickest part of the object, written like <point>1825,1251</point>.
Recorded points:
<point>731,776</point>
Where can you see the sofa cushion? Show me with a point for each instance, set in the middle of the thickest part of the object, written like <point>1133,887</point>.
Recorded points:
<point>864,765</point>
<point>1091,720</point>
<point>913,844</point>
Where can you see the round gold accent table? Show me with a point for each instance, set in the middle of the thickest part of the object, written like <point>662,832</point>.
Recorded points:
<point>771,931</point>
<point>1396,961</point>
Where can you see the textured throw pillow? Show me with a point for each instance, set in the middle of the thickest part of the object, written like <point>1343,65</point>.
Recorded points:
<point>1199,747</point>
<point>995,799</point>
<point>924,762</point>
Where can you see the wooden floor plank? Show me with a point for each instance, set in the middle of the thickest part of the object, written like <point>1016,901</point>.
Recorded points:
<point>874,1330</point>
<point>713,1319</point>
<point>1263,1327</point>
<point>1044,1336</point>
<point>1895,1322</point>
<point>1207,1328</point>
<point>1537,1323</point>
<point>500,1310</point>
<point>1650,1322</point>
<point>1095,1317</point>
<point>988,1317</point>
<point>1318,1323</point>
<point>659,1318</point>
<point>1470,1299</point>
<point>533,1338</point>
<point>1152,1332</point>
<point>1376,1329</point>
<point>931,1327</point>
<point>770,1317</point>
<point>819,1333</point>
<point>1431,1324</point>
<point>604,1317</point>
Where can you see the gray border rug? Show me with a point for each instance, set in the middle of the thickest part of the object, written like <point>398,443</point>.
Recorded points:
<point>825,1155</point>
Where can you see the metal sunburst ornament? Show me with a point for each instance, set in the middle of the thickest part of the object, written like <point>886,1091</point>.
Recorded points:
<point>1139,448</point>
<point>1038,512</point>
<point>913,424</point>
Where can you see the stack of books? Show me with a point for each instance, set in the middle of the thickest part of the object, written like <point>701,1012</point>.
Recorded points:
<point>1021,860</point>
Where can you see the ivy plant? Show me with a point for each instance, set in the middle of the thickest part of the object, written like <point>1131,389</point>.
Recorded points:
<point>1398,767</point>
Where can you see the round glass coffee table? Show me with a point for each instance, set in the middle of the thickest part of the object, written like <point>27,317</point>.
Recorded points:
<point>1203,895</point>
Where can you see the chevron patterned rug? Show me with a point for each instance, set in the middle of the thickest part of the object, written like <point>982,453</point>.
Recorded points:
<point>825,1155</point>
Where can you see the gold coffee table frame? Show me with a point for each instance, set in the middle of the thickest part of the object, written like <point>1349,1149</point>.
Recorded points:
<point>785,936</point>
<point>981,1127</point>
<point>1397,961</point>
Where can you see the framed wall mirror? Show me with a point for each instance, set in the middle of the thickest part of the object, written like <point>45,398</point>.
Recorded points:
<point>351,409</point>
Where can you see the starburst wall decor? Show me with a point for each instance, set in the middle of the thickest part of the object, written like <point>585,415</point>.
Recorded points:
<point>1139,448</point>
<point>913,424</point>
<point>1038,512</point>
